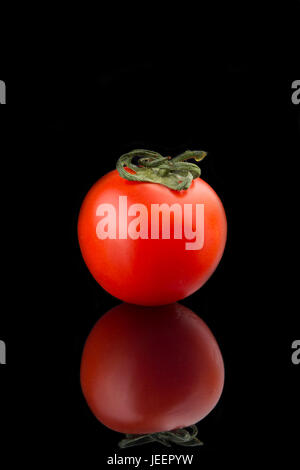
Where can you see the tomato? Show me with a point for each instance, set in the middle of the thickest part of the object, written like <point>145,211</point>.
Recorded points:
<point>148,370</point>
<point>150,245</point>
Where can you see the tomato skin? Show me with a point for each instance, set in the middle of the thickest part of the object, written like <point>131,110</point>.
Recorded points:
<point>150,271</point>
<point>147,370</point>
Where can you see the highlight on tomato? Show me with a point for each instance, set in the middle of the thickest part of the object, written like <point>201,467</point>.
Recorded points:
<point>152,231</point>
<point>152,373</point>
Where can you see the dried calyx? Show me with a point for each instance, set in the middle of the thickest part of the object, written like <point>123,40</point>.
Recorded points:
<point>179,436</point>
<point>152,167</point>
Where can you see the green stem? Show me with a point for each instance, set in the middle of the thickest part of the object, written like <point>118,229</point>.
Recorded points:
<point>152,167</point>
<point>180,437</point>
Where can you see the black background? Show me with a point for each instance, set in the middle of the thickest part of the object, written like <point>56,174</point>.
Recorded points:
<point>66,127</point>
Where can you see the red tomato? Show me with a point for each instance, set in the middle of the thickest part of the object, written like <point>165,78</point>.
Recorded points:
<point>147,370</point>
<point>141,263</point>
